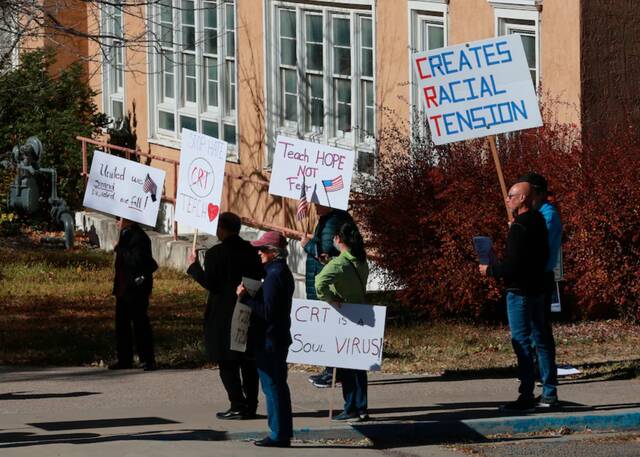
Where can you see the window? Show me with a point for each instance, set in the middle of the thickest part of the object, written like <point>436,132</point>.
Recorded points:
<point>527,31</point>
<point>321,77</point>
<point>428,31</point>
<point>194,78</point>
<point>113,62</point>
<point>521,17</point>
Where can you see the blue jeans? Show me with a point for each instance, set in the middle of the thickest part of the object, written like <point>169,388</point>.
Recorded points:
<point>354,390</point>
<point>528,323</point>
<point>272,370</point>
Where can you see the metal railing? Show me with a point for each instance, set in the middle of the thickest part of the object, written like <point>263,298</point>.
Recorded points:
<point>129,153</point>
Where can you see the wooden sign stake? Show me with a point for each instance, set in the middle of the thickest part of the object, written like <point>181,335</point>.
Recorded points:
<point>494,152</point>
<point>331,393</point>
<point>195,237</point>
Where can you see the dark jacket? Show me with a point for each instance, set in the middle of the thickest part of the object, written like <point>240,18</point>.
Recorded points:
<point>133,260</point>
<point>524,265</point>
<point>224,266</point>
<point>271,317</point>
<point>322,243</point>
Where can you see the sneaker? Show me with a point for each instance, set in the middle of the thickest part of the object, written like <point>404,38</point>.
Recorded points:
<point>362,417</point>
<point>315,377</point>
<point>268,442</point>
<point>345,416</point>
<point>325,381</point>
<point>547,402</point>
<point>521,405</point>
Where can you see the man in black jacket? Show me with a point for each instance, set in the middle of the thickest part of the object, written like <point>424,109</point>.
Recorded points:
<point>224,266</point>
<point>523,270</point>
<point>132,285</point>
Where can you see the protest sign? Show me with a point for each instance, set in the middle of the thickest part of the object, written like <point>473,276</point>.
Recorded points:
<point>202,161</point>
<point>324,171</point>
<point>351,336</point>
<point>124,188</point>
<point>484,250</point>
<point>242,317</point>
<point>477,89</point>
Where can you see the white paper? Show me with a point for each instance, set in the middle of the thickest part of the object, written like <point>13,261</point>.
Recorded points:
<point>567,370</point>
<point>124,188</point>
<point>477,89</point>
<point>200,180</point>
<point>326,172</point>
<point>556,306</point>
<point>351,336</point>
<point>242,317</point>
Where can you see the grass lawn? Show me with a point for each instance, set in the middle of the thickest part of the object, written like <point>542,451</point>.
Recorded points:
<point>56,308</point>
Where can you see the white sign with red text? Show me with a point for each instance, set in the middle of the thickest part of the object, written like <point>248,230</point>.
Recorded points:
<point>324,171</point>
<point>202,161</point>
<point>351,336</point>
<point>124,188</point>
<point>477,89</point>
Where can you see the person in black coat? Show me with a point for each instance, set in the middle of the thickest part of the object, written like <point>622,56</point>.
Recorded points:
<point>132,285</point>
<point>270,336</point>
<point>224,266</point>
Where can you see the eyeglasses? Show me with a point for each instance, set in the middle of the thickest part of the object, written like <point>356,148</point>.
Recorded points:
<point>510,196</point>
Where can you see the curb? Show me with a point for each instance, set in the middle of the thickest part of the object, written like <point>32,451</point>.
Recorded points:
<point>424,432</point>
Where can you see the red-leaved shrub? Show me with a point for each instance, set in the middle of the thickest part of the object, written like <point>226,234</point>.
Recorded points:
<point>425,204</point>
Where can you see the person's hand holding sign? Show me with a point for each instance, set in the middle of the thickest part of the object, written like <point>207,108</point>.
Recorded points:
<point>193,256</point>
<point>483,269</point>
<point>241,291</point>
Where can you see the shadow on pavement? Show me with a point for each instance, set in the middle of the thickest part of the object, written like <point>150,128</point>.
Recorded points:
<point>10,440</point>
<point>102,423</point>
<point>33,396</point>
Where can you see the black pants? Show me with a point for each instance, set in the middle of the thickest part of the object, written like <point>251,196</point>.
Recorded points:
<point>133,311</point>
<point>240,380</point>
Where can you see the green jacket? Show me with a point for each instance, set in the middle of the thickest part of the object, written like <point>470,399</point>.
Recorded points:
<point>339,282</point>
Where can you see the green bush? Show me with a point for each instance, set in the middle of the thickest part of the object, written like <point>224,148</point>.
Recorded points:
<point>54,107</point>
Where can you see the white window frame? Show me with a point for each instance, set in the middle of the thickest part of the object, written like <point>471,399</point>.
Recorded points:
<point>224,115</point>
<point>273,82</point>
<point>436,11</point>
<point>524,10</point>
<point>112,92</point>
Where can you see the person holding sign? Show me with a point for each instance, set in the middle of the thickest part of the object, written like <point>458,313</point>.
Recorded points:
<point>344,280</point>
<point>271,336</point>
<point>224,266</point>
<point>132,285</point>
<point>523,270</point>
<point>319,250</point>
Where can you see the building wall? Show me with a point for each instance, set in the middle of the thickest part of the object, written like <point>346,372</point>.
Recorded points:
<point>610,55</point>
<point>244,191</point>
<point>560,58</point>
<point>69,49</point>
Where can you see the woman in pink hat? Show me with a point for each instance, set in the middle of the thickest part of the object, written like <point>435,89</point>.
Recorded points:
<point>271,337</point>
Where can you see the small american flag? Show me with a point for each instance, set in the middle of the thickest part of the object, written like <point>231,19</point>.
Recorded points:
<point>303,205</point>
<point>150,186</point>
<point>333,185</point>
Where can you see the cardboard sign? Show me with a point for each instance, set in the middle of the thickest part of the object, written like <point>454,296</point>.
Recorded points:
<point>202,161</point>
<point>124,188</point>
<point>242,317</point>
<point>477,89</point>
<point>325,171</point>
<point>351,336</point>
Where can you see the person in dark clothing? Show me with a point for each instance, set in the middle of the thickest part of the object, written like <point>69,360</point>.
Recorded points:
<point>224,266</point>
<point>270,336</point>
<point>523,270</point>
<point>320,250</point>
<point>132,285</point>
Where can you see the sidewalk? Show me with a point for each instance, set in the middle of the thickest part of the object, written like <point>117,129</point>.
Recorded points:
<point>96,405</point>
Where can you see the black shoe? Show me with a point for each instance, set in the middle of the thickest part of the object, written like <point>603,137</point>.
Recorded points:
<point>521,405</point>
<point>345,416</point>
<point>120,366</point>
<point>149,366</point>
<point>315,377</point>
<point>547,402</point>
<point>268,442</point>
<point>249,415</point>
<point>230,414</point>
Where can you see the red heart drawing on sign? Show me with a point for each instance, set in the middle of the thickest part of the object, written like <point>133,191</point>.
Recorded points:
<point>213,211</point>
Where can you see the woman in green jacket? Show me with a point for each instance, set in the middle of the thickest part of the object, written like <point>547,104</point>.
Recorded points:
<point>344,280</point>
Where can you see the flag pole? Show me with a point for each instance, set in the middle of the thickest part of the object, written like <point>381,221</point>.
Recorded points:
<point>327,194</point>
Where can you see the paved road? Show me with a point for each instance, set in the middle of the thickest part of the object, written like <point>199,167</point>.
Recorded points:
<point>96,412</point>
